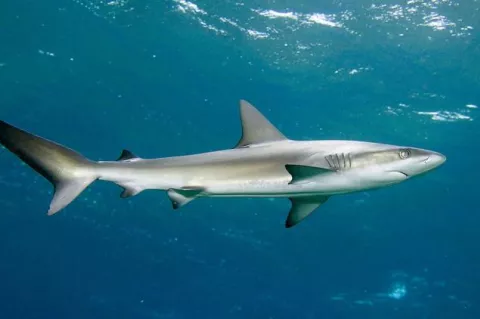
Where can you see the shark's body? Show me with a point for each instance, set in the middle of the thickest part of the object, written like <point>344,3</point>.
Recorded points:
<point>263,164</point>
<point>257,171</point>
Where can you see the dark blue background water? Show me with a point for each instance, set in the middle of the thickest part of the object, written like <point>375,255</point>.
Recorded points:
<point>164,78</point>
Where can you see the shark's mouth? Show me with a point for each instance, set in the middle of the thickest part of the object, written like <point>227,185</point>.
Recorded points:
<point>406,175</point>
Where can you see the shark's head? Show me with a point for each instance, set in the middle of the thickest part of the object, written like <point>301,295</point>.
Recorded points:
<point>395,164</point>
<point>413,161</point>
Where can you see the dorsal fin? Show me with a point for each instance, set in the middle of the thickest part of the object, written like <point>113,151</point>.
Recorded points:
<point>127,155</point>
<point>255,127</point>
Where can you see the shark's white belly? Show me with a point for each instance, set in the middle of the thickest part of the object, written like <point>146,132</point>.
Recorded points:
<point>327,184</point>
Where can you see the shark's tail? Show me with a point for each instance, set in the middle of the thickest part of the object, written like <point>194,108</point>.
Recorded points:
<point>69,172</point>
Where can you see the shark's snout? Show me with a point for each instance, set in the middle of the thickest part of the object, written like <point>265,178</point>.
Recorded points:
<point>421,161</point>
<point>435,159</point>
<point>430,162</point>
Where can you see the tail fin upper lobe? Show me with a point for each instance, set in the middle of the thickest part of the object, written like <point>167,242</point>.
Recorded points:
<point>69,172</point>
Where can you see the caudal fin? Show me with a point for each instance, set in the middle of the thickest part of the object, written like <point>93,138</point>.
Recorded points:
<point>69,172</point>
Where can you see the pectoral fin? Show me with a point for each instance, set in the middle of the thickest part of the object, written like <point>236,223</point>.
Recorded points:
<point>183,196</point>
<point>302,207</point>
<point>301,172</point>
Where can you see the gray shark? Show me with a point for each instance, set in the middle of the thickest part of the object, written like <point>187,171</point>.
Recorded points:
<point>264,163</point>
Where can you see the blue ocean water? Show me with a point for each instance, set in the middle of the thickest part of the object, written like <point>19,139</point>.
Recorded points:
<point>164,78</point>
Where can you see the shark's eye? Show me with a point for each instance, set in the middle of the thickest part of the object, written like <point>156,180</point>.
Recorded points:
<point>404,154</point>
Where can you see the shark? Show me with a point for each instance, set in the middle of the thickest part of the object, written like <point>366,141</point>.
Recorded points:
<point>264,163</point>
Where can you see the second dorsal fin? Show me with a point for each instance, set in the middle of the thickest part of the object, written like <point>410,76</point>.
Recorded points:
<point>126,156</point>
<point>255,127</point>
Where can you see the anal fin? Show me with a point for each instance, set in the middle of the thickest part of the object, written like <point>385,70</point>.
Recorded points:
<point>181,197</point>
<point>129,192</point>
<point>302,207</point>
<point>129,189</point>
